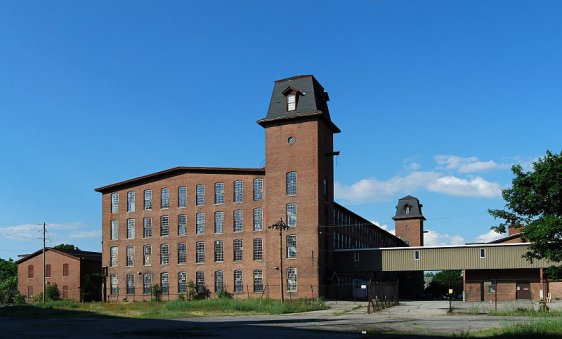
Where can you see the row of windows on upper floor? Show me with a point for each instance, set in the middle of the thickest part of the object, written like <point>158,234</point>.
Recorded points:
<point>65,270</point>
<point>237,252</point>
<point>359,227</point>
<point>182,284</point>
<point>238,196</point>
<point>237,225</point>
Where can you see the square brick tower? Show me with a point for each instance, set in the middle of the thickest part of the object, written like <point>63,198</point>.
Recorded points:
<point>299,181</point>
<point>409,221</point>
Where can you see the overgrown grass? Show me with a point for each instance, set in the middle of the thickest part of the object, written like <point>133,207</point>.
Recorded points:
<point>540,328</point>
<point>165,309</point>
<point>525,312</point>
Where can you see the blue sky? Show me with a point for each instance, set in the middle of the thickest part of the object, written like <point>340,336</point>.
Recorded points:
<point>434,98</point>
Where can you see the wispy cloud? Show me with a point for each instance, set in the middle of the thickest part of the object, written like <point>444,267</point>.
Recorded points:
<point>475,187</point>
<point>85,235</point>
<point>26,232</point>
<point>466,164</point>
<point>432,238</point>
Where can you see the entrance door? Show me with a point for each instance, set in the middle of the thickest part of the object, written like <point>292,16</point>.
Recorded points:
<point>523,290</point>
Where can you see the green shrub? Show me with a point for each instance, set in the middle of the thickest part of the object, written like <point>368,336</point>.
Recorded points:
<point>156,292</point>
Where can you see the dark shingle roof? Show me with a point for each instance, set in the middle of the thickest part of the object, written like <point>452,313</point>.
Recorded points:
<point>312,101</point>
<point>85,255</point>
<point>415,208</point>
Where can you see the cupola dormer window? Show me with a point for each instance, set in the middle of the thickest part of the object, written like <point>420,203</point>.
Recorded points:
<point>291,102</point>
<point>407,209</point>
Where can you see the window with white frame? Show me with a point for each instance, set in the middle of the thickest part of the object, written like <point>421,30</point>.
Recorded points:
<point>147,283</point>
<point>219,193</point>
<point>147,227</point>
<point>200,281</point>
<point>291,215</point>
<point>114,256</point>
<point>219,222</point>
<point>199,252</point>
<point>482,253</point>
<point>164,283</point>
<point>219,251</point>
<point>182,224</point>
<point>258,249</point>
<point>182,253</point>
<point>114,284</point>
<point>114,229</point>
<point>147,200</point>
<point>182,196</point>
<point>291,279</point>
<point>238,221</point>
<point>238,250</point>
<point>291,246</point>
<point>291,102</point>
<point>131,228</point>
<point>114,202</point>
<point>164,225</point>
<point>200,195</point>
<point>130,256</point>
<point>130,284</point>
<point>258,189</point>
<point>130,201</point>
<point>258,219</point>
<point>200,223</point>
<point>219,281</point>
<point>164,198</point>
<point>238,190</point>
<point>182,282</point>
<point>164,254</point>
<point>291,186</point>
<point>147,255</point>
<point>258,281</point>
<point>238,281</point>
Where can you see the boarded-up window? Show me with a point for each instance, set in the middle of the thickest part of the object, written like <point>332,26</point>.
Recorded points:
<point>48,271</point>
<point>30,271</point>
<point>65,270</point>
<point>65,292</point>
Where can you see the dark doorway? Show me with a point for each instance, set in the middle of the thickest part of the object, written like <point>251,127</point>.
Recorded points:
<point>482,291</point>
<point>523,290</point>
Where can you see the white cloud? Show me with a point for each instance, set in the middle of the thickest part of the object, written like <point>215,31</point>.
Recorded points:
<point>432,238</point>
<point>466,164</point>
<point>475,187</point>
<point>384,227</point>
<point>27,232</point>
<point>490,236</point>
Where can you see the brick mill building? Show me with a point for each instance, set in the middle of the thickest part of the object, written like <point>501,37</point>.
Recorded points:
<point>210,225</point>
<point>68,269</point>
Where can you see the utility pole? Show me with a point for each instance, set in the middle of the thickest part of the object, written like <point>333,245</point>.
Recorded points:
<point>44,266</point>
<point>280,226</point>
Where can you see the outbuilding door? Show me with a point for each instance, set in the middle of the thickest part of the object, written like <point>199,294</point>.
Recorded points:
<point>523,290</point>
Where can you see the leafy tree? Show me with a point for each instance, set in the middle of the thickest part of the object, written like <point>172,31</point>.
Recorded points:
<point>66,247</point>
<point>443,281</point>
<point>8,281</point>
<point>8,268</point>
<point>535,202</point>
<point>91,290</point>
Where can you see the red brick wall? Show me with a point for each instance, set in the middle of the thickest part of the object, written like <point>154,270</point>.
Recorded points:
<point>410,230</point>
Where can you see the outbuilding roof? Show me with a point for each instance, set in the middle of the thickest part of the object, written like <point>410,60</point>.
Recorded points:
<point>84,255</point>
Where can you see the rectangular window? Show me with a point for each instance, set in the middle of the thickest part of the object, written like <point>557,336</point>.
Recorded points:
<point>482,253</point>
<point>219,193</point>
<point>182,253</point>
<point>258,189</point>
<point>130,201</point>
<point>238,221</point>
<point>65,270</point>
<point>219,278</point>
<point>147,254</point>
<point>130,228</point>
<point>164,198</point>
<point>114,284</point>
<point>291,183</point>
<point>200,281</point>
<point>219,222</point>
<point>291,102</point>
<point>30,271</point>
<point>199,252</point>
<point>114,229</point>
<point>182,196</point>
<point>219,251</point>
<point>291,279</point>
<point>164,254</point>
<point>258,249</point>
<point>147,200</point>
<point>113,256</point>
<point>238,282</point>
<point>258,219</point>
<point>200,223</point>
<point>164,225</point>
<point>29,292</point>
<point>200,195</point>
<point>492,288</point>
<point>164,283</point>
<point>182,224</point>
<point>291,246</point>
<point>65,291</point>
<point>114,202</point>
<point>291,215</point>
<point>238,250</point>
<point>258,281</point>
<point>130,256</point>
<point>47,271</point>
<point>356,256</point>
<point>182,282</point>
<point>416,255</point>
<point>238,190</point>
<point>147,227</point>
<point>147,283</point>
<point>130,284</point>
